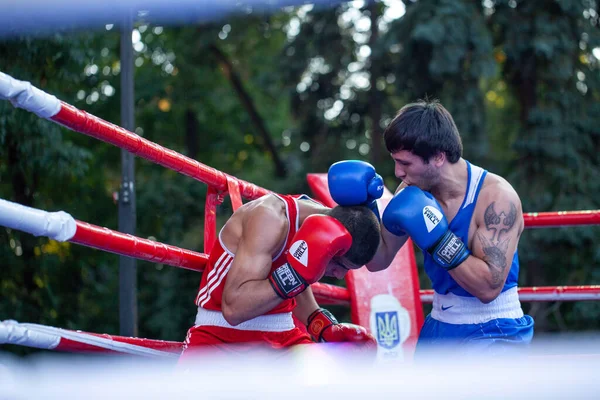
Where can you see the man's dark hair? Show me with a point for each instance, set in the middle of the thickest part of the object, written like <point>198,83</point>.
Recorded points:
<point>364,228</point>
<point>424,128</point>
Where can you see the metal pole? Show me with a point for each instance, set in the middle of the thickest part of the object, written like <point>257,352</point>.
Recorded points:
<point>127,212</point>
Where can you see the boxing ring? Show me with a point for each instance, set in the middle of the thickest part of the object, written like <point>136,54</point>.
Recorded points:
<point>389,303</point>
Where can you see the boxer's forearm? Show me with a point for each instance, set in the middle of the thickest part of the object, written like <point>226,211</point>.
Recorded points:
<point>388,248</point>
<point>306,305</point>
<point>476,277</point>
<point>249,300</point>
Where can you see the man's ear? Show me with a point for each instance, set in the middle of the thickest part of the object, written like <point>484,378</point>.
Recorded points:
<point>439,159</point>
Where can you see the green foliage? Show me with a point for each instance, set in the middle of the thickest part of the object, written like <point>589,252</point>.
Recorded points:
<point>548,66</point>
<point>443,49</point>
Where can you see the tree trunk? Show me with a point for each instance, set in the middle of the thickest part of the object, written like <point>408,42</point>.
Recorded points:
<point>191,133</point>
<point>375,100</point>
<point>248,104</point>
<point>525,83</point>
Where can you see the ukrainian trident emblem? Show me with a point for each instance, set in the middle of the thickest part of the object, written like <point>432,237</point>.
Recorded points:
<point>388,329</point>
<point>390,322</point>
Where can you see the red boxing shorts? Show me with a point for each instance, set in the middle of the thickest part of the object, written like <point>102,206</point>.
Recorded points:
<point>211,333</point>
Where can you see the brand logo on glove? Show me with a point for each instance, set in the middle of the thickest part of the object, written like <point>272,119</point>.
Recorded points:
<point>316,327</point>
<point>432,217</point>
<point>287,277</point>
<point>450,248</point>
<point>299,250</point>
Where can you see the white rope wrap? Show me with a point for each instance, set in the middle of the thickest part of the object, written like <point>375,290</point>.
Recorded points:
<point>24,95</point>
<point>55,225</point>
<point>11,332</point>
<point>48,337</point>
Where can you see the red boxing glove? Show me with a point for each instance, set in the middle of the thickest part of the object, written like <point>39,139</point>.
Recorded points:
<point>323,327</point>
<point>319,239</point>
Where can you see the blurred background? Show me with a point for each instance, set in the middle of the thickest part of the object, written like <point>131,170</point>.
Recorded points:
<point>269,95</point>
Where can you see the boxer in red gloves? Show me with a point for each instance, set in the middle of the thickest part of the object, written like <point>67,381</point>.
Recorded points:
<point>260,270</point>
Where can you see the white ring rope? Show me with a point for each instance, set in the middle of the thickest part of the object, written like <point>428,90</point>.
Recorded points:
<point>24,95</point>
<point>11,332</point>
<point>47,337</point>
<point>55,225</point>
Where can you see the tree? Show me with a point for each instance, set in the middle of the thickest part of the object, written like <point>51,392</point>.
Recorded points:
<point>46,167</point>
<point>552,73</point>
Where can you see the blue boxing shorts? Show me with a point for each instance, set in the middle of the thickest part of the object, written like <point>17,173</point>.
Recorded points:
<point>467,327</point>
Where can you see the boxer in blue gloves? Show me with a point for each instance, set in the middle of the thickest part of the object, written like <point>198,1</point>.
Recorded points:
<point>467,222</point>
<point>354,182</point>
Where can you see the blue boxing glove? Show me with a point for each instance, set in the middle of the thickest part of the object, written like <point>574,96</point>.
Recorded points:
<point>354,183</point>
<point>419,214</point>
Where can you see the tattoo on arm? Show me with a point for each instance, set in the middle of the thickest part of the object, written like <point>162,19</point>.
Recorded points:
<point>499,223</point>
<point>495,248</point>
<point>495,257</point>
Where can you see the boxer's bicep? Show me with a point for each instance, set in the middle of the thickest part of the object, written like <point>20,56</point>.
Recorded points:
<point>261,236</point>
<point>499,226</point>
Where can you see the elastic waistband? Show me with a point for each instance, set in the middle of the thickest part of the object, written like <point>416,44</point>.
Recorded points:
<point>264,323</point>
<point>454,309</point>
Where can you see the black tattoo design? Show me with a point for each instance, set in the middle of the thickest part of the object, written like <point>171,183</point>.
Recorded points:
<point>499,222</point>
<point>495,257</point>
<point>495,248</point>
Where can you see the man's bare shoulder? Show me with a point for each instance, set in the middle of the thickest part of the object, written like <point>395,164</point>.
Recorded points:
<point>266,220</point>
<point>496,187</point>
<point>262,220</point>
<point>497,196</point>
<point>269,209</point>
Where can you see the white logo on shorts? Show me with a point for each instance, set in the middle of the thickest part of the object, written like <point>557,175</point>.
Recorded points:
<point>432,217</point>
<point>299,250</point>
